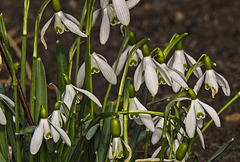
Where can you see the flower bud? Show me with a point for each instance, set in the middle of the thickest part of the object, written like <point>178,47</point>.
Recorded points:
<point>131,40</point>
<point>192,94</point>
<point>43,113</point>
<point>115,127</point>
<point>208,63</point>
<point>56,6</point>
<point>181,151</point>
<point>145,50</point>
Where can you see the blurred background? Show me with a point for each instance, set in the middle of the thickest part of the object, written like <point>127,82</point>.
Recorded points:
<point>213,28</point>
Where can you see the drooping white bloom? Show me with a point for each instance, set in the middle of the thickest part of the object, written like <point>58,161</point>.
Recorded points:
<point>123,58</point>
<point>63,22</point>
<point>43,130</point>
<point>70,92</point>
<point>150,75</point>
<point>157,134</point>
<point>171,76</point>
<point>211,79</point>
<point>179,61</point>
<point>98,63</point>
<point>118,9</point>
<point>146,119</point>
<point>57,119</point>
<point>3,120</point>
<point>196,112</point>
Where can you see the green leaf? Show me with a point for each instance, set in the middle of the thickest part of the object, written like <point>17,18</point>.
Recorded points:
<point>58,95</point>
<point>223,148</point>
<point>26,130</point>
<point>2,159</point>
<point>62,66</point>
<point>105,138</point>
<point>92,131</point>
<point>157,101</point>
<point>41,89</point>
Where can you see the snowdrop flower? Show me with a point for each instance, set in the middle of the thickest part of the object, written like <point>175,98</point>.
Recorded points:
<point>196,112</point>
<point>98,63</point>
<point>150,75</point>
<point>63,22</point>
<point>168,75</point>
<point>212,79</point>
<point>134,104</point>
<point>123,57</point>
<point>43,130</point>
<point>179,61</point>
<point>70,92</point>
<point>3,120</point>
<point>116,151</point>
<point>118,9</point>
<point>57,119</point>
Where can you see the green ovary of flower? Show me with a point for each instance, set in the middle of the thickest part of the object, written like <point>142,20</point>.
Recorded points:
<point>56,6</point>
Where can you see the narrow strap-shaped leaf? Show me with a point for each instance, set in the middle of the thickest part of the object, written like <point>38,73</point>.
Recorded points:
<point>62,66</point>
<point>26,130</point>
<point>105,136</point>
<point>2,159</point>
<point>41,89</point>
<point>219,151</point>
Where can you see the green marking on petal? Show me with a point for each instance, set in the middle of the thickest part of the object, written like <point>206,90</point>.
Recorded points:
<point>120,154</point>
<point>113,20</point>
<point>134,115</point>
<point>207,86</point>
<point>95,70</point>
<point>133,62</point>
<point>48,135</point>
<point>161,80</point>
<point>200,115</point>
<point>59,30</point>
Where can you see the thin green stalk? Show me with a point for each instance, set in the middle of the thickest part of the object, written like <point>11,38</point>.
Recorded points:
<point>79,40</point>
<point>24,49</point>
<point>34,63</point>
<point>88,75</point>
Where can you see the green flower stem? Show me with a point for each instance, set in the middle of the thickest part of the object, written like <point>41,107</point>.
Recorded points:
<point>226,106</point>
<point>34,62</point>
<point>24,47</point>
<point>79,41</point>
<point>88,75</point>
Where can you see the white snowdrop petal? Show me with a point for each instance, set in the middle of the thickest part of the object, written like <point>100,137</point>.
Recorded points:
<point>73,19</point>
<point>104,3</point>
<point>37,138</point>
<point>122,60</point>
<point>201,137</point>
<point>162,68</point>
<point>122,11</point>
<point>106,70</point>
<point>68,95</point>
<point>138,121</point>
<point>95,16</point>
<point>146,118</point>
<point>3,120</point>
<point>63,135</point>
<point>54,120</point>
<point>46,129</point>
<point>157,134</point>
<point>178,80</point>
<point>43,31</point>
<point>211,80</point>
<point>156,152</point>
<point>132,3</point>
<point>90,95</point>
<point>81,76</point>
<point>191,121</point>
<point>199,84</point>
<point>70,25</point>
<point>138,78</point>
<point>179,61</point>
<point>105,27</point>
<point>197,71</point>
<point>223,83</point>
<point>7,99</point>
<point>150,76</point>
<point>212,113</point>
